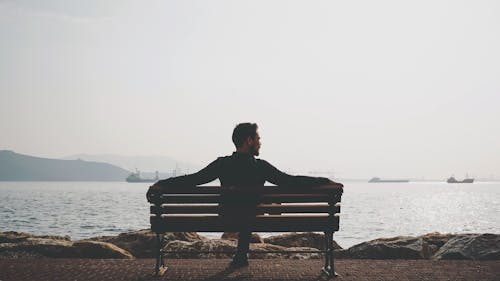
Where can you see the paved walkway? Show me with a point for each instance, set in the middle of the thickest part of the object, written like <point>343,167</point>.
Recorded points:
<point>205,269</point>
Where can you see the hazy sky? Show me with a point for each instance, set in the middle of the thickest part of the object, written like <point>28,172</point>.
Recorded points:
<point>361,88</point>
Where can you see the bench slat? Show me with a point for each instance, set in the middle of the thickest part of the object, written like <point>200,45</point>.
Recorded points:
<point>265,198</point>
<point>261,224</point>
<point>187,209</point>
<point>261,208</point>
<point>296,208</point>
<point>296,198</point>
<point>191,198</point>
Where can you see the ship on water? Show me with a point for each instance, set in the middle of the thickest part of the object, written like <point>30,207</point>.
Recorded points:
<point>452,179</point>
<point>377,180</point>
<point>136,177</point>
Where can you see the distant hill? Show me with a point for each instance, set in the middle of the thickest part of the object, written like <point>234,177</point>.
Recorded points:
<point>146,164</point>
<point>19,167</point>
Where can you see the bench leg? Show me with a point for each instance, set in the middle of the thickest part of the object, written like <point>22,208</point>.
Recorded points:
<point>329,268</point>
<point>160,267</point>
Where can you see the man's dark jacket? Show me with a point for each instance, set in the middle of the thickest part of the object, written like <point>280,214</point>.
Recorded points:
<point>242,170</point>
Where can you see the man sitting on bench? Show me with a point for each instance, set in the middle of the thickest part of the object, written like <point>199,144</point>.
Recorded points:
<point>240,170</point>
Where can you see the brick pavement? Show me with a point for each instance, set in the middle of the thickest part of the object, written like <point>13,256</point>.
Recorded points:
<point>270,269</point>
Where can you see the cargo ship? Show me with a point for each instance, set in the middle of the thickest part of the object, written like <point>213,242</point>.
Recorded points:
<point>136,177</point>
<point>376,180</point>
<point>452,179</point>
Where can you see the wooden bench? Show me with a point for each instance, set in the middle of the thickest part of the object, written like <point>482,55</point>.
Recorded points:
<point>279,209</point>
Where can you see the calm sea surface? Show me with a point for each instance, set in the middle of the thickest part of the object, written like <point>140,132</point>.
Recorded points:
<point>87,209</point>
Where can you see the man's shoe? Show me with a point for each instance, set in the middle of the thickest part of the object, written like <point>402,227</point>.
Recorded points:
<point>239,262</point>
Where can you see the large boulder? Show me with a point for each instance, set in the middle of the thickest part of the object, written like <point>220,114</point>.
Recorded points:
<point>14,237</point>
<point>437,239</point>
<point>142,243</point>
<point>304,239</point>
<point>36,247</point>
<point>186,249</point>
<point>270,247</point>
<point>234,236</point>
<point>401,247</point>
<point>98,250</point>
<point>471,247</point>
<point>22,245</point>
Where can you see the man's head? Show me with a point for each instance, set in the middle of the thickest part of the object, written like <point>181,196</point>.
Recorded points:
<point>246,138</point>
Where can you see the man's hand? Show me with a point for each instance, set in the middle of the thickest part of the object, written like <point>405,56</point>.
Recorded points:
<point>154,192</point>
<point>336,184</point>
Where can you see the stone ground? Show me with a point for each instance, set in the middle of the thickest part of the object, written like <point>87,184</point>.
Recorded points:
<point>206,269</point>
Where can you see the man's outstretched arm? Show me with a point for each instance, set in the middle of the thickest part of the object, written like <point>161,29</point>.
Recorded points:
<point>205,175</point>
<point>277,177</point>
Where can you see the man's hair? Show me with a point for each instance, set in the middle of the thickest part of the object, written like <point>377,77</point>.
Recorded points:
<point>242,131</point>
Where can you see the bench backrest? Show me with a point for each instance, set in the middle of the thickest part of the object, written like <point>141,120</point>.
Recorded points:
<point>279,209</point>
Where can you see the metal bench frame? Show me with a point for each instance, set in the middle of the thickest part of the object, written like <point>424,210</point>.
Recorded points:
<point>186,209</point>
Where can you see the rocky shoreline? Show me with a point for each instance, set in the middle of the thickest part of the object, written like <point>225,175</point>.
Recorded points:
<point>142,244</point>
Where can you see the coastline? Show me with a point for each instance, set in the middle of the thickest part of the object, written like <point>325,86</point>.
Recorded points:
<point>142,244</point>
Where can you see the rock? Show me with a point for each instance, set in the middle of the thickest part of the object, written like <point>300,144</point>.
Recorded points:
<point>142,243</point>
<point>98,250</point>
<point>66,237</point>
<point>341,254</point>
<point>14,237</point>
<point>302,256</point>
<point>305,239</point>
<point>271,247</point>
<point>191,249</point>
<point>437,239</point>
<point>184,236</point>
<point>234,236</point>
<point>26,245</point>
<point>471,247</point>
<point>401,247</point>
<point>51,248</point>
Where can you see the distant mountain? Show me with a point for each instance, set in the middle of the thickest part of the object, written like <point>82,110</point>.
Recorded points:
<point>146,164</point>
<point>19,167</point>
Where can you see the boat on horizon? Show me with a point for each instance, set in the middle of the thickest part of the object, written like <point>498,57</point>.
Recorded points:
<point>377,180</point>
<point>452,179</point>
<point>136,177</point>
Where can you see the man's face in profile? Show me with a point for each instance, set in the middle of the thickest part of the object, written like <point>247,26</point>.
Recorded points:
<point>255,145</point>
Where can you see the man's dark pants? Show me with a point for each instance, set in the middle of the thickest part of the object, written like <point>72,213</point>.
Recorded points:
<point>239,210</point>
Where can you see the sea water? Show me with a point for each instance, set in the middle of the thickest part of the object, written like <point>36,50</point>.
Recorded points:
<point>369,210</point>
